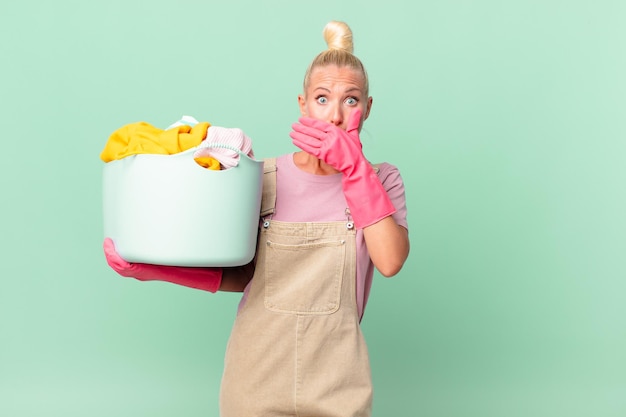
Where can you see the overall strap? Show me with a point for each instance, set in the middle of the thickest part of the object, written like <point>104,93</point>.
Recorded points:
<point>268,200</point>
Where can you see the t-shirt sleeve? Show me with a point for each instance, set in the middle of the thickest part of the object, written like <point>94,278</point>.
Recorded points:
<point>394,185</point>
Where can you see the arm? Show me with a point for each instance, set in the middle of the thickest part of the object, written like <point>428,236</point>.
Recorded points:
<point>388,245</point>
<point>370,205</point>
<point>388,240</point>
<point>235,279</point>
<point>206,279</point>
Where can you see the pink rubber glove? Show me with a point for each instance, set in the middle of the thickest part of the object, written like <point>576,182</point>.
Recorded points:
<point>367,199</point>
<point>207,279</point>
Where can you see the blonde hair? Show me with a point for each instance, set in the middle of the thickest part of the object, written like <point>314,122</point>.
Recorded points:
<point>338,37</point>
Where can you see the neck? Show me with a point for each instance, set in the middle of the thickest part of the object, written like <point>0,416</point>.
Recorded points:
<point>312,165</point>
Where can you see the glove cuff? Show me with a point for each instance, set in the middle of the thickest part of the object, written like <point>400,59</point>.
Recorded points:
<point>206,279</point>
<point>367,199</point>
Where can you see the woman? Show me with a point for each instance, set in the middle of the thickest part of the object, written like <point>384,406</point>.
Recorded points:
<point>328,218</point>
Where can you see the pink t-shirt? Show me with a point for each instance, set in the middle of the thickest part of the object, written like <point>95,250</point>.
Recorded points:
<point>304,197</point>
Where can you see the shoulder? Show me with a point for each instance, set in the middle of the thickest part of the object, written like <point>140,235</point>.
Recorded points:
<point>393,184</point>
<point>270,164</point>
<point>388,173</point>
<point>273,160</point>
<point>385,166</point>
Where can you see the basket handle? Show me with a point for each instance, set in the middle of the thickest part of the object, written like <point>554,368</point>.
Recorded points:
<point>212,145</point>
<point>221,145</point>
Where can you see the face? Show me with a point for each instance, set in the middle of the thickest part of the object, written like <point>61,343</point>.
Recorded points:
<point>333,94</point>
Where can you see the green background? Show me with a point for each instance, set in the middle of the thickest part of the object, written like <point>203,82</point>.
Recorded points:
<point>506,118</point>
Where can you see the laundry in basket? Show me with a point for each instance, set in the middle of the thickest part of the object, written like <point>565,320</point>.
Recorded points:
<point>168,210</point>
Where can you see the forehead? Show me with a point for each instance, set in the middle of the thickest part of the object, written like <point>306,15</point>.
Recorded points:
<point>334,77</point>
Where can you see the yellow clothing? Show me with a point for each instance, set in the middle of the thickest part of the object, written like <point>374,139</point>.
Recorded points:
<point>142,137</point>
<point>208,162</point>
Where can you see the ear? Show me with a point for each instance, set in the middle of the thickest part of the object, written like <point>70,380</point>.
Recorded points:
<point>370,100</point>
<point>302,104</point>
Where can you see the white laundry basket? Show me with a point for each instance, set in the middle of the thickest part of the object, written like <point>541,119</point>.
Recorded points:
<point>168,210</point>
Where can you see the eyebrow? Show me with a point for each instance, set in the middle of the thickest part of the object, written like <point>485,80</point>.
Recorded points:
<point>349,90</point>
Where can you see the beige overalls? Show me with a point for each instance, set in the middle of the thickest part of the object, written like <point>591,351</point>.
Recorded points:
<point>296,347</point>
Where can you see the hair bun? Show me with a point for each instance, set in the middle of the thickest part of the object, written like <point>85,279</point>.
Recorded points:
<point>338,36</point>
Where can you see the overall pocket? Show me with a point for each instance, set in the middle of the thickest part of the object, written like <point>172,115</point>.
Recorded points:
<point>304,278</point>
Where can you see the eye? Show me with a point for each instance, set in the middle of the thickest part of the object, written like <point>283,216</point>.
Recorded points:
<point>321,99</point>
<point>352,101</point>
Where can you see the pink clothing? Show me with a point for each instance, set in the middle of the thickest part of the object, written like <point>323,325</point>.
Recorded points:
<point>233,137</point>
<point>304,197</point>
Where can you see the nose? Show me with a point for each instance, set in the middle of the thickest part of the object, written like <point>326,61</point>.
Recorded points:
<point>336,116</point>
